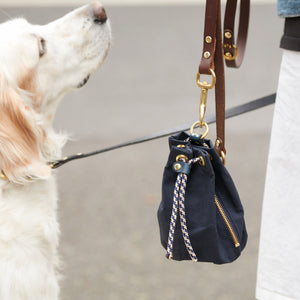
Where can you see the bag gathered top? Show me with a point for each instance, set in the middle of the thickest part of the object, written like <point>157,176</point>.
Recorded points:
<point>200,216</point>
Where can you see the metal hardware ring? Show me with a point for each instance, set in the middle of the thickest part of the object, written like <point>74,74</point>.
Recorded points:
<point>3,176</point>
<point>199,123</point>
<point>232,57</point>
<point>205,84</point>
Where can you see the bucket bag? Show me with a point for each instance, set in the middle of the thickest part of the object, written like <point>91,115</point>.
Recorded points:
<point>200,216</point>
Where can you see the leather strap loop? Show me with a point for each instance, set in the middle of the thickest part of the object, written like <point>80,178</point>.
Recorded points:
<point>229,43</point>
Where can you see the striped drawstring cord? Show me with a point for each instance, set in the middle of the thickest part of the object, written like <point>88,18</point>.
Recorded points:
<point>178,202</point>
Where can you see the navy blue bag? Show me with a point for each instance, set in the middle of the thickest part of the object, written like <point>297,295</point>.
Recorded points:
<point>207,222</point>
<point>200,216</point>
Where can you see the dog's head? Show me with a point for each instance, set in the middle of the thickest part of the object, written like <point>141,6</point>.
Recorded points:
<point>38,65</point>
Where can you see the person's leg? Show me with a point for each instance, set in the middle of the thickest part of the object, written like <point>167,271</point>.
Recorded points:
<point>278,275</point>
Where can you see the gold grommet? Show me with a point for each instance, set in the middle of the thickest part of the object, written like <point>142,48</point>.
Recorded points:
<point>181,146</point>
<point>206,54</point>
<point>208,39</point>
<point>201,162</point>
<point>181,157</point>
<point>228,35</point>
<point>177,167</point>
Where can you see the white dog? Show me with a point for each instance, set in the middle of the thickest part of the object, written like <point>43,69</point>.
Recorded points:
<point>38,65</point>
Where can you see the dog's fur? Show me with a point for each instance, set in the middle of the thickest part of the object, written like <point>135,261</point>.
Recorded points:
<point>38,66</point>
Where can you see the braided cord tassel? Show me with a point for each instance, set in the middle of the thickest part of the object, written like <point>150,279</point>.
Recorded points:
<point>169,254</point>
<point>178,201</point>
<point>184,229</point>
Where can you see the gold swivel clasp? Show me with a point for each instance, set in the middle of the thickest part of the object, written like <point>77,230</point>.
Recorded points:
<point>205,86</point>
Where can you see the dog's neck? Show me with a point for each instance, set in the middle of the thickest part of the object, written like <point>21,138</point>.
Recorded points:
<point>52,151</point>
<point>48,109</point>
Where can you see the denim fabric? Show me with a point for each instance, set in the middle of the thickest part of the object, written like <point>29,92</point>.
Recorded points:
<point>288,8</point>
<point>208,233</point>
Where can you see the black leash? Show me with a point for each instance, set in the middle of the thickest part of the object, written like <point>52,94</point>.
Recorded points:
<point>231,112</point>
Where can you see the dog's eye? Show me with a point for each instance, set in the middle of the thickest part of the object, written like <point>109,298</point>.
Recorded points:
<point>42,47</point>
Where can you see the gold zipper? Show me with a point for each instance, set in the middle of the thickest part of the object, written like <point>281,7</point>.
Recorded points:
<point>227,222</point>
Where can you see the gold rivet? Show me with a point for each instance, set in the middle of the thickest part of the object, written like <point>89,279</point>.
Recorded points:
<point>218,143</point>
<point>177,167</point>
<point>208,39</point>
<point>228,55</point>
<point>206,54</point>
<point>181,146</point>
<point>228,34</point>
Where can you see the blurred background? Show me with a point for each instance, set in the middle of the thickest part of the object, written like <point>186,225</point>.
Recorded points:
<point>110,244</point>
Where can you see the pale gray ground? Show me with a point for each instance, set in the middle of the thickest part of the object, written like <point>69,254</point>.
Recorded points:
<point>110,243</point>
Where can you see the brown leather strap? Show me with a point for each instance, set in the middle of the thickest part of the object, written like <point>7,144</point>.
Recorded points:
<point>209,43</point>
<point>220,87</point>
<point>213,49</point>
<point>229,44</point>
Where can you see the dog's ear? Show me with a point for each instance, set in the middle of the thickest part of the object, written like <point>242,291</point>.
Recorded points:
<point>20,139</point>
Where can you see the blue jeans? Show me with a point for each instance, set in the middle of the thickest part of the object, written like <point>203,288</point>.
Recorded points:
<point>288,8</point>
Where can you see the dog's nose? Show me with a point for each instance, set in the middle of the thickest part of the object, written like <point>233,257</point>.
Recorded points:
<point>99,13</point>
